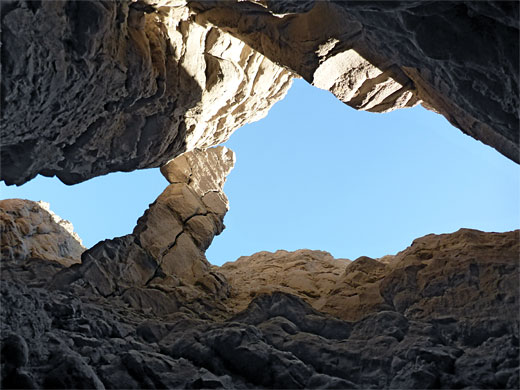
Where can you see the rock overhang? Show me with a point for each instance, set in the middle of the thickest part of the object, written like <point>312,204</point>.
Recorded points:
<point>175,76</point>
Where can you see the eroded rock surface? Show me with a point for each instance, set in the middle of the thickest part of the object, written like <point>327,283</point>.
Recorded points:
<point>94,87</point>
<point>459,58</point>
<point>441,314</point>
<point>161,265</point>
<point>309,275</point>
<point>438,275</point>
<point>30,230</point>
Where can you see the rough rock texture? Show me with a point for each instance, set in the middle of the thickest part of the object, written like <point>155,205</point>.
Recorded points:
<point>30,230</point>
<point>162,265</point>
<point>443,275</point>
<point>438,275</point>
<point>309,275</point>
<point>450,320</point>
<point>94,87</point>
<point>460,58</point>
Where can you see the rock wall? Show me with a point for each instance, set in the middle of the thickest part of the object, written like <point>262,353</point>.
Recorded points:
<point>109,86</point>
<point>448,318</point>
<point>116,86</point>
<point>437,276</point>
<point>161,265</point>
<point>459,58</point>
<point>309,275</point>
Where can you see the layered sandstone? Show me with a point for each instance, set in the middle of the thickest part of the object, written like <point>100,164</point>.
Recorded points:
<point>459,58</point>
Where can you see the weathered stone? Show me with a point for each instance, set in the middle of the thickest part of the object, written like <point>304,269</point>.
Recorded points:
<point>31,230</point>
<point>128,85</point>
<point>153,337</point>
<point>162,262</point>
<point>459,58</point>
<point>438,276</point>
<point>310,275</point>
<point>120,86</point>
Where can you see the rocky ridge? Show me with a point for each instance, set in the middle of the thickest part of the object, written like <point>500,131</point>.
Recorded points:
<point>309,275</point>
<point>59,339</point>
<point>147,311</point>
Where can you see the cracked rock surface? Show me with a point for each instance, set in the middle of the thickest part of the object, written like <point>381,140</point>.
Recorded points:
<point>161,264</point>
<point>63,339</point>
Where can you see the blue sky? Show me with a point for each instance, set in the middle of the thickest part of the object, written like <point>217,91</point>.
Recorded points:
<point>317,174</point>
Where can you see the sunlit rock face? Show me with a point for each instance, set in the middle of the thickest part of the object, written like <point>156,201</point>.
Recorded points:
<point>93,87</point>
<point>161,265</point>
<point>459,58</point>
<point>437,276</point>
<point>30,230</point>
<point>309,275</point>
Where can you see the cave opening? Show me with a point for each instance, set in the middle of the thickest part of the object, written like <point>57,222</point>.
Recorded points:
<point>317,174</point>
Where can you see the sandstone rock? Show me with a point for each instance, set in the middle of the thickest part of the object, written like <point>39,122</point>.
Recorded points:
<point>180,225</point>
<point>121,86</point>
<point>118,86</point>
<point>161,266</point>
<point>459,58</point>
<point>356,291</point>
<point>31,230</point>
<point>310,275</point>
<point>442,275</point>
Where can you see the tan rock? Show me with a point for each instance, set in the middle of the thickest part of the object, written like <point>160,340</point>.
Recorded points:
<point>437,276</point>
<point>166,248</point>
<point>447,274</point>
<point>379,57</point>
<point>356,292</point>
<point>146,84</point>
<point>31,230</point>
<point>305,273</point>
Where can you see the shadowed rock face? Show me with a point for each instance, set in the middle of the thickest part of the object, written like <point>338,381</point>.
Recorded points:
<point>444,326</point>
<point>107,86</point>
<point>148,311</point>
<point>94,87</point>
